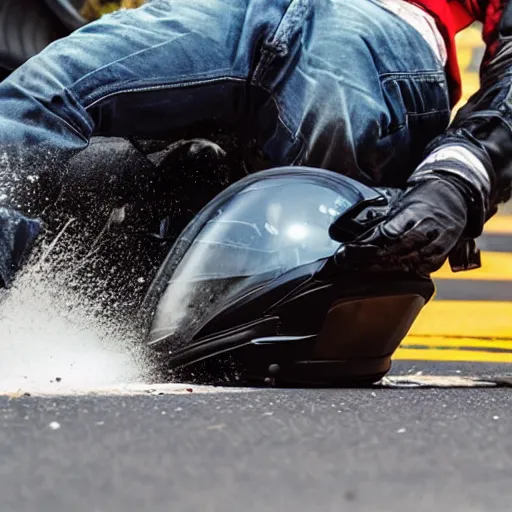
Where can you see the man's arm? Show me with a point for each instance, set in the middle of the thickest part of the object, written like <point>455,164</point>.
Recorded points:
<point>484,125</point>
<point>482,130</point>
<point>466,173</point>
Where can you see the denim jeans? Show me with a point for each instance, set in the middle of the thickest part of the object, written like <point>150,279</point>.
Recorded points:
<point>340,84</point>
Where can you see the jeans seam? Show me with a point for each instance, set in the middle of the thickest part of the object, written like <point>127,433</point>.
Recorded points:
<point>424,75</point>
<point>147,88</point>
<point>294,136</point>
<point>432,112</point>
<point>278,43</point>
<point>280,39</point>
<point>300,155</point>
<point>280,115</point>
<point>84,119</point>
<point>75,130</point>
<point>117,61</point>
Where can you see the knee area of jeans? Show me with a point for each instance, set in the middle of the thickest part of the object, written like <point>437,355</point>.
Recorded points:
<point>42,78</point>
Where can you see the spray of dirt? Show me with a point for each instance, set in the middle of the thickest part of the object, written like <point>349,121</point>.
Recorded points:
<point>53,337</point>
<point>61,323</point>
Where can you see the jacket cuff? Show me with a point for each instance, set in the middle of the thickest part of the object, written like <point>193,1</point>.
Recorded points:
<point>459,163</point>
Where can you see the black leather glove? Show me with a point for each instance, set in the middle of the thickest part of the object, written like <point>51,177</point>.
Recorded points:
<point>424,224</point>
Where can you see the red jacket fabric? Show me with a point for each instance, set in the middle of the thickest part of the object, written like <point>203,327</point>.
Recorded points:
<point>454,15</point>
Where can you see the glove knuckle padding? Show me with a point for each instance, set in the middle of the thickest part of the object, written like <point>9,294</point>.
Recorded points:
<point>423,225</point>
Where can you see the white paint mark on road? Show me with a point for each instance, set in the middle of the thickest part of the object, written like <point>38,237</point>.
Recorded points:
<point>131,389</point>
<point>435,381</point>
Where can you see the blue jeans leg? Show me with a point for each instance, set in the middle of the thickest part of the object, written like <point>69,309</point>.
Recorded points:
<point>342,85</point>
<point>338,84</point>
<point>142,72</point>
<point>358,90</point>
<point>139,72</point>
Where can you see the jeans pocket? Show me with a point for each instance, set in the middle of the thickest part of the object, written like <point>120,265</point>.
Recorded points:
<point>416,101</point>
<point>418,111</point>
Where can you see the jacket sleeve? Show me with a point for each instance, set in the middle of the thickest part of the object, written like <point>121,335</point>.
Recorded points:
<point>478,144</point>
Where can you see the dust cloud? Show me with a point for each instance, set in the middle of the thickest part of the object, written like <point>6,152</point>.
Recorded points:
<point>52,336</point>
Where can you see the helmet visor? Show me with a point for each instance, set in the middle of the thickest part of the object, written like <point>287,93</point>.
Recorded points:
<point>253,233</point>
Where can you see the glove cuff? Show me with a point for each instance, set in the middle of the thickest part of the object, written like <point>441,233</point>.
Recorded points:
<point>461,167</point>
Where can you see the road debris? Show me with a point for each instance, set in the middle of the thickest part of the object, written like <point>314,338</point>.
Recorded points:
<point>443,381</point>
<point>219,426</point>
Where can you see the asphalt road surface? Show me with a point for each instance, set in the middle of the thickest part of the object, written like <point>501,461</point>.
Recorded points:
<point>262,450</point>
<point>226,449</point>
<point>214,449</point>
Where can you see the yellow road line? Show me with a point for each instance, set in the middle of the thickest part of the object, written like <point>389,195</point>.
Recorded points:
<point>499,224</point>
<point>470,356</point>
<point>442,342</point>
<point>472,319</point>
<point>496,266</point>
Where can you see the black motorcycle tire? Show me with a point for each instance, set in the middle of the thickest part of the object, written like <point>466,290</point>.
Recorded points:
<point>26,28</point>
<point>68,12</point>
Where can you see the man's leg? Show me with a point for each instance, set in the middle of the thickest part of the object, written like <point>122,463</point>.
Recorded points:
<point>144,72</point>
<point>137,72</point>
<point>365,95</point>
<point>331,84</point>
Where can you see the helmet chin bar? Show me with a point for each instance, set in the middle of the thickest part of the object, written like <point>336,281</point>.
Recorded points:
<point>251,289</point>
<point>354,345</point>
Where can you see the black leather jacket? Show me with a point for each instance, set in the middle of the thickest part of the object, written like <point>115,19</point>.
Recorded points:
<point>484,125</point>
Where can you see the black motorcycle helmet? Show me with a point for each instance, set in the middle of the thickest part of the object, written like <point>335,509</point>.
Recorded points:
<point>252,284</point>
